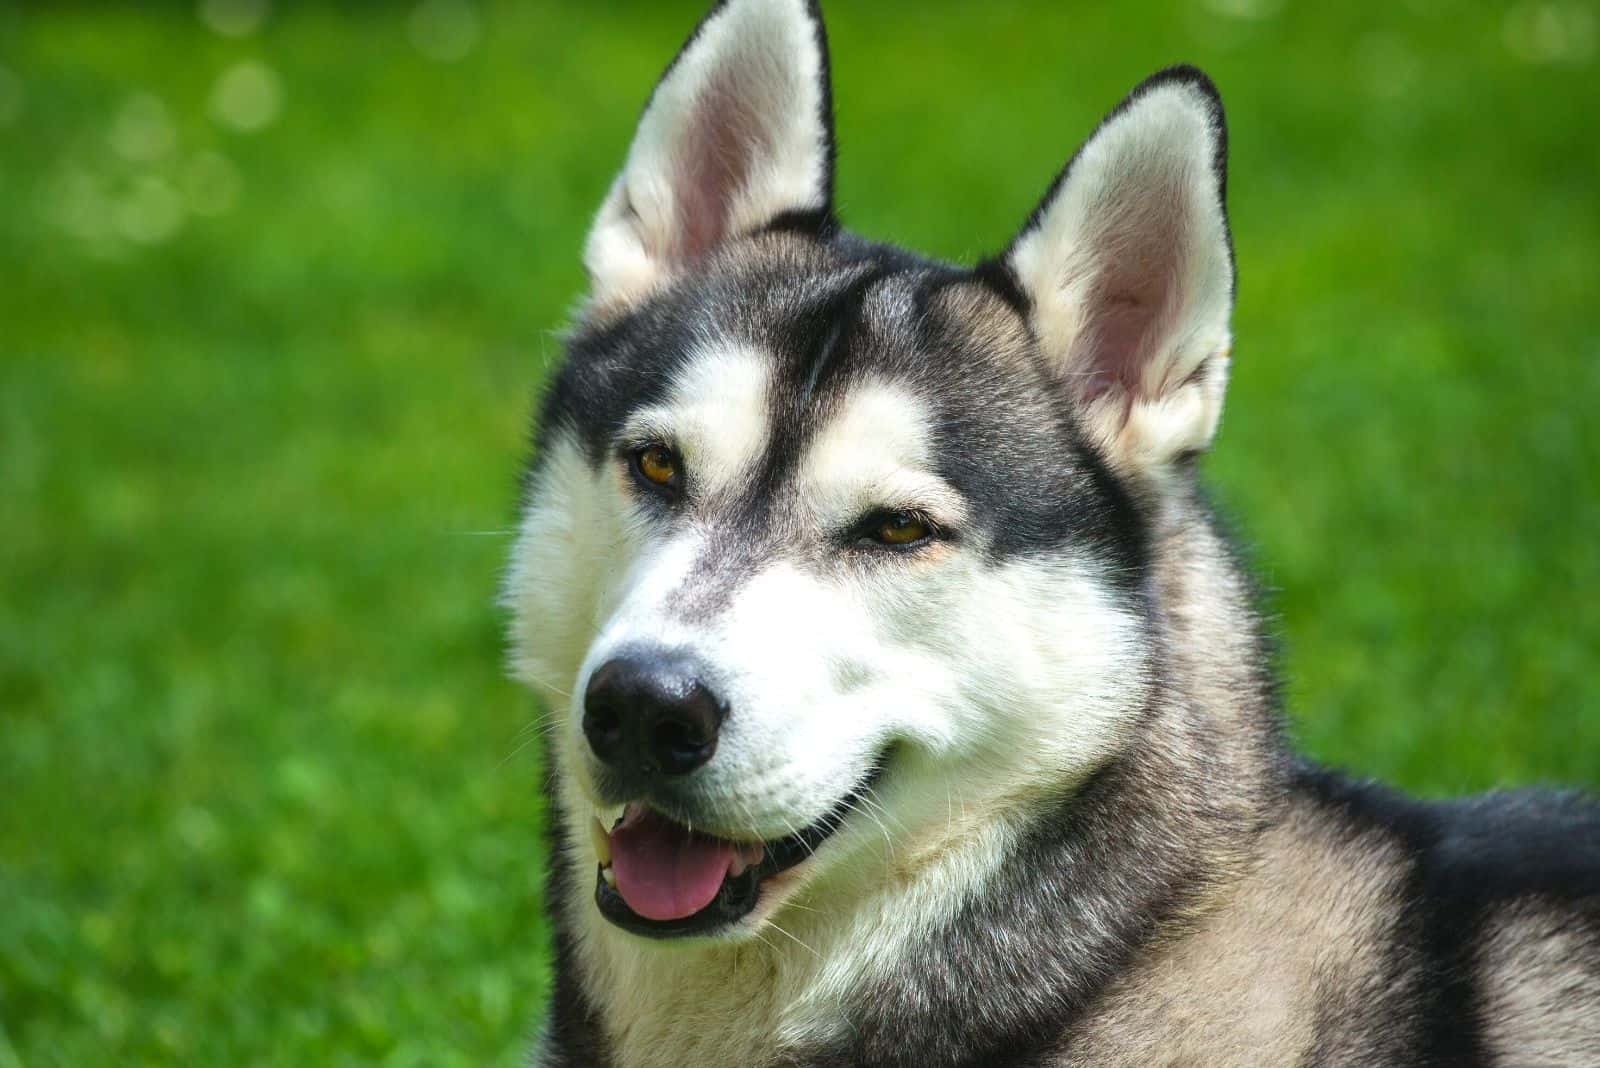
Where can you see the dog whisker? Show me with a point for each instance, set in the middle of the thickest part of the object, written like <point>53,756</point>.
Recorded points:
<point>802,908</point>
<point>793,939</point>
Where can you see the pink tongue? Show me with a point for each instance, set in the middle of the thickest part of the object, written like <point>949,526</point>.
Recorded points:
<point>664,872</point>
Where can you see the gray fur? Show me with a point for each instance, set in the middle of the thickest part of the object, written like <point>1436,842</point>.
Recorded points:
<point>1201,895</point>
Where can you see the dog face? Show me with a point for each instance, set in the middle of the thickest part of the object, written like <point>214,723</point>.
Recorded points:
<point>824,539</point>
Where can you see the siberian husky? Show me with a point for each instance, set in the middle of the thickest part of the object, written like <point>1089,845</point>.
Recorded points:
<point>908,707</point>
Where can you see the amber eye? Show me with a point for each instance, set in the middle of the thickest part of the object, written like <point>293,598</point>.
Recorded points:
<point>901,528</point>
<point>657,464</point>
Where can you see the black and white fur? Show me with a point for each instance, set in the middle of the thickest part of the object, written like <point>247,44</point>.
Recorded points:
<point>1090,843</point>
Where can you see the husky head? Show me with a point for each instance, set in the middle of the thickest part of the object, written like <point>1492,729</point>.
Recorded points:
<point>834,557</point>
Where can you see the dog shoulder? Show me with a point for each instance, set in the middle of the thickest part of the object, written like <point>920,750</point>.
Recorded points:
<point>1296,963</point>
<point>1532,860</point>
<point>1374,925</point>
<point>1499,915</point>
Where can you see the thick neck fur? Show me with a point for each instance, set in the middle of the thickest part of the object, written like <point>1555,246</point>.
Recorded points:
<point>1072,885</point>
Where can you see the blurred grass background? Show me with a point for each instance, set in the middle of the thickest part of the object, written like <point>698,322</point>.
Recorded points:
<point>277,285</point>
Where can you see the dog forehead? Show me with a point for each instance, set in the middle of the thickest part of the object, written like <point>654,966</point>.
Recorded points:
<point>867,378</point>
<point>877,425</point>
<point>819,312</point>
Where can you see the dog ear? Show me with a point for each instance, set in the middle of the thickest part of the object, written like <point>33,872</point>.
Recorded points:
<point>1127,265</point>
<point>737,136</point>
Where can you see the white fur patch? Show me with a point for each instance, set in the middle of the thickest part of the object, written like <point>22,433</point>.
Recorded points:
<point>716,416</point>
<point>573,530</point>
<point>874,454</point>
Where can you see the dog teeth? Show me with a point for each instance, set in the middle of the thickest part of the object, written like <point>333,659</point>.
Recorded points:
<point>601,840</point>
<point>609,876</point>
<point>745,858</point>
<point>632,813</point>
<point>608,815</point>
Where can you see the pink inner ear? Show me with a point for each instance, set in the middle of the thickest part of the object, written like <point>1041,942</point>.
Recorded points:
<point>1137,295</point>
<point>713,162</point>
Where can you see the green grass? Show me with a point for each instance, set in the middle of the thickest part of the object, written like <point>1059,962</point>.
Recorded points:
<point>264,796</point>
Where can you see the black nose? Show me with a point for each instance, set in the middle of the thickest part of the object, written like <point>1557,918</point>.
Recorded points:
<point>649,714</point>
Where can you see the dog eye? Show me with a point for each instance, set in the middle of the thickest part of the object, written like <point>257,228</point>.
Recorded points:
<point>900,529</point>
<point>657,465</point>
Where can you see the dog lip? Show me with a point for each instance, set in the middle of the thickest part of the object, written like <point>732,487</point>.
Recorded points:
<point>738,895</point>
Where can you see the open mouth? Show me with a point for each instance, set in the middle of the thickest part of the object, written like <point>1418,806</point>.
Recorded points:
<point>660,879</point>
